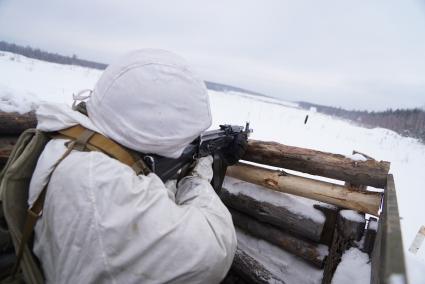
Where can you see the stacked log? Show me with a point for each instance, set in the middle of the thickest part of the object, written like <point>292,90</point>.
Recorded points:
<point>290,231</point>
<point>11,126</point>
<point>305,249</point>
<point>327,192</point>
<point>251,270</point>
<point>280,216</point>
<point>369,172</point>
<point>348,230</point>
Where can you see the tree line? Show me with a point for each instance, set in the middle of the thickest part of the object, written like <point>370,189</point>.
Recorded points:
<point>37,53</point>
<point>406,122</point>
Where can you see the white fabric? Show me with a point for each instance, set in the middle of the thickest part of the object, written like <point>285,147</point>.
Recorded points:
<point>153,96</point>
<point>103,224</point>
<point>203,168</point>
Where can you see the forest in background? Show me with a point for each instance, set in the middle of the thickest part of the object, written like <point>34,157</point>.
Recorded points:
<point>406,122</point>
<point>39,54</point>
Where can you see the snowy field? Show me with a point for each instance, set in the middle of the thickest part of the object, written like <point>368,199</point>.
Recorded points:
<point>24,83</point>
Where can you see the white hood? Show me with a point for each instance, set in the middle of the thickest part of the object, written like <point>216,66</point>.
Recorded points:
<point>150,101</point>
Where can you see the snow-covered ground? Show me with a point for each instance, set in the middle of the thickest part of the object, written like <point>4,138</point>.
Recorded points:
<point>24,83</point>
<point>354,268</point>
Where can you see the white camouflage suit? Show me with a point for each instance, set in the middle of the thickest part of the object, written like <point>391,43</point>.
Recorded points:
<point>101,223</point>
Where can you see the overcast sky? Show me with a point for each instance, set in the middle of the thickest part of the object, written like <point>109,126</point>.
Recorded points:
<point>354,54</point>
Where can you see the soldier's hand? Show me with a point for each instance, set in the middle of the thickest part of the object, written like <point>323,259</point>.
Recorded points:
<point>235,150</point>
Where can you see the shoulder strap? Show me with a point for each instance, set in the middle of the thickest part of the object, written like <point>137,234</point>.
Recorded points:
<point>35,211</point>
<point>82,139</point>
<point>88,139</point>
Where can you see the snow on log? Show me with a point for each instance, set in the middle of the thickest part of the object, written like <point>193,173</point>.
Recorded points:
<point>290,213</point>
<point>360,172</point>
<point>251,270</point>
<point>282,264</point>
<point>13,123</point>
<point>366,202</point>
<point>312,252</point>
<point>351,224</point>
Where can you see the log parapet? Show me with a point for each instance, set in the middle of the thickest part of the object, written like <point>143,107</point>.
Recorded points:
<point>251,270</point>
<point>366,202</point>
<point>311,252</point>
<point>13,123</point>
<point>274,208</point>
<point>335,166</point>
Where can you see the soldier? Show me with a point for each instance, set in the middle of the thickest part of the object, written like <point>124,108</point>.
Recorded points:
<point>103,223</point>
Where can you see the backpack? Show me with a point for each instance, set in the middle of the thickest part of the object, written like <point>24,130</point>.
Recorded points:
<point>15,180</point>
<point>14,184</point>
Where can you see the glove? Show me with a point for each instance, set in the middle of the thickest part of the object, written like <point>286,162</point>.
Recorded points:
<point>203,168</point>
<point>232,153</point>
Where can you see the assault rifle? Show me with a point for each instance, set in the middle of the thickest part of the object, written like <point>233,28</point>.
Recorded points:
<point>208,143</point>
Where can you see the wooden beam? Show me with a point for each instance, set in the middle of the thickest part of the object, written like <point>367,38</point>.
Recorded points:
<point>314,162</point>
<point>388,264</point>
<point>278,216</point>
<point>13,123</point>
<point>331,214</point>
<point>351,224</point>
<point>366,202</point>
<point>349,228</point>
<point>312,252</point>
<point>370,236</point>
<point>251,270</point>
<point>6,146</point>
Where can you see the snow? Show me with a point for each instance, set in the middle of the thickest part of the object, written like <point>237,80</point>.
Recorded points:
<point>299,205</point>
<point>16,101</point>
<point>282,264</point>
<point>418,241</point>
<point>26,82</point>
<point>352,215</point>
<point>354,268</point>
<point>33,81</point>
<point>264,99</point>
<point>396,279</point>
<point>357,157</point>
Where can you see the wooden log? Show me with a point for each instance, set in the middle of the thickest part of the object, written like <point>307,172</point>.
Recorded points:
<point>351,224</point>
<point>355,187</point>
<point>279,216</point>
<point>251,270</point>
<point>370,235</point>
<point>334,257</point>
<point>349,228</point>
<point>6,146</point>
<point>312,252</point>
<point>367,202</point>
<point>233,278</point>
<point>331,213</point>
<point>13,123</point>
<point>314,162</point>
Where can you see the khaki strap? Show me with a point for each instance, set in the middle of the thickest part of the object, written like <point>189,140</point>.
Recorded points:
<point>106,145</point>
<point>36,211</point>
